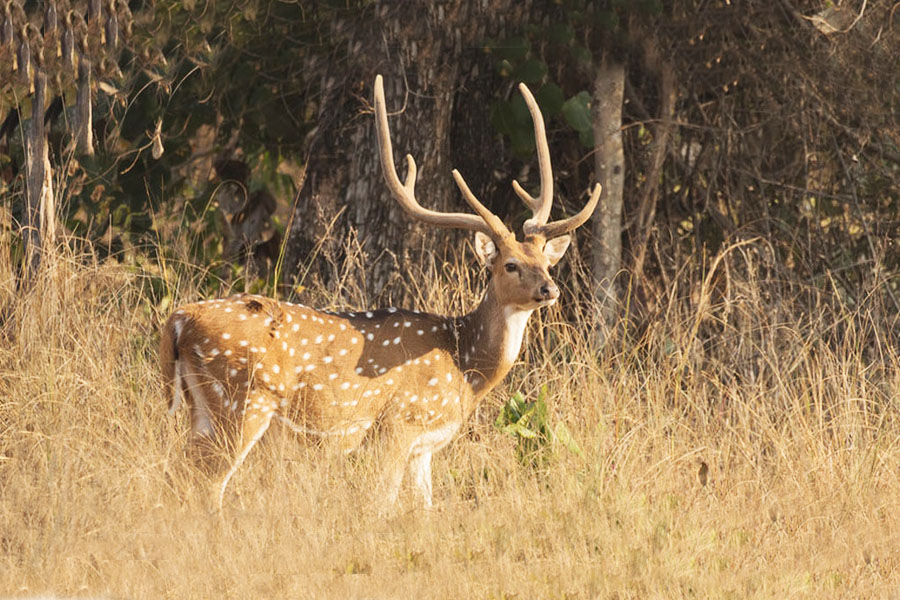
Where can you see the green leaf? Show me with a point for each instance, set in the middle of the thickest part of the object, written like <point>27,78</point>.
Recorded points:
<point>119,215</point>
<point>564,436</point>
<point>522,142</point>
<point>577,113</point>
<point>550,98</point>
<point>530,71</point>
<point>512,49</point>
<point>515,429</point>
<point>502,117</point>
<point>560,33</point>
<point>520,113</point>
<point>586,138</point>
<point>581,54</point>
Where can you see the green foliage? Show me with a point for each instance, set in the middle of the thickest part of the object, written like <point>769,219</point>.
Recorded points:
<point>523,61</point>
<point>529,423</point>
<point>546,51</point>
<point>184,83</point>
<point>550,98</point>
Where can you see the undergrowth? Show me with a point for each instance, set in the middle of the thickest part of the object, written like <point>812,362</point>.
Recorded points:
<point>741,442</point>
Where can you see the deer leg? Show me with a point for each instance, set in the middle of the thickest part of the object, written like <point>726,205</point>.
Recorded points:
<point>258,413</point>
<point>390,483</point>
<point>420,470</point>
<point>201,422</point>
<point>423,448</point>
<point>191,387</point>
<point>396,459</point>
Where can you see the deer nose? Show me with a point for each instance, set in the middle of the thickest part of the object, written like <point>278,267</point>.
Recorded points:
<point>549,291</point>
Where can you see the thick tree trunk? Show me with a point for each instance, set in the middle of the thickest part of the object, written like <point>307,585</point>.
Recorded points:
<point>437,92</point>
<point>609,164</point>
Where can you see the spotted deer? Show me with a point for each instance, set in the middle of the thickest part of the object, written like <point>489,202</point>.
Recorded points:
<point>408,378</point>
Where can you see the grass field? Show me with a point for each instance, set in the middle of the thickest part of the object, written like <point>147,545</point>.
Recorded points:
<point>743,445</point>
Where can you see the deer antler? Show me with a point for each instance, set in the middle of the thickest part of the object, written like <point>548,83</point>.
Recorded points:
<point>540,206</point>
<point>485,221</point>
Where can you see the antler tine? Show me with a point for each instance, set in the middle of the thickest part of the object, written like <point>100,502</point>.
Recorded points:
<point>540,206</point>
<point>405,192</point>
<point>557,228</point>
<point>498,229</point>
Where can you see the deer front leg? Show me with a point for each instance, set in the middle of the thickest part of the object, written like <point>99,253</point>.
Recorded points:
<point>259,409</point>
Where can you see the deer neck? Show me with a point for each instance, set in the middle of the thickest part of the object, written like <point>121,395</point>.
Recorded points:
<point>489,340</point>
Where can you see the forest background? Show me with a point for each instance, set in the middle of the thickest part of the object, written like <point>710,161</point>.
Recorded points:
<point>729,314</point>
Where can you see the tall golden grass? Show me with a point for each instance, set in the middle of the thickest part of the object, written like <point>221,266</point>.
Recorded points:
<point>744,444</point>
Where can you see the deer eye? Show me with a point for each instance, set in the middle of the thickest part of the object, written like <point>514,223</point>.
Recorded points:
<point>511,267</point>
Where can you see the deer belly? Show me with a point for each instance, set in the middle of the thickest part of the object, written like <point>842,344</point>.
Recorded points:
<point>432,441</point>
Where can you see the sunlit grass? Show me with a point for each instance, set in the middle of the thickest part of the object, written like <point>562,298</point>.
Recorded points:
<point>793,415</point>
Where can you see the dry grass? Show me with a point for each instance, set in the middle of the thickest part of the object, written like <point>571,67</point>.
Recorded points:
<point>795,418</point>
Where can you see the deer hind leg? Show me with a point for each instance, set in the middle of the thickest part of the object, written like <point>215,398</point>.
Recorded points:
<point>191,381</point>
<point>420,470</point>
<point>397,446</point>
<point>258,412</point>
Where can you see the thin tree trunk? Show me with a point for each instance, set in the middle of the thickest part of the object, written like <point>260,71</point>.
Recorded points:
<point>609,164</point>
<point>39,198</point>
<point>84,132</point>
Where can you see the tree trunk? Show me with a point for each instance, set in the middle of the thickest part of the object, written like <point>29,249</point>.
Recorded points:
<point>84,135</point>
<point>609,164</point>
<point>40,210</point>
<point>437,93</point>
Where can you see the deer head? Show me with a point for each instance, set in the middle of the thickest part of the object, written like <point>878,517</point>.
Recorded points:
<point>520,276</point>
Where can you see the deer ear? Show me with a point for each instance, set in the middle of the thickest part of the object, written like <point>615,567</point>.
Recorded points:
<point>485,248</point>
<point>555,248</point>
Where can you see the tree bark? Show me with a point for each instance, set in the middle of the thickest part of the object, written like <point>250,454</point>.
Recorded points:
<point>609,164</point>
